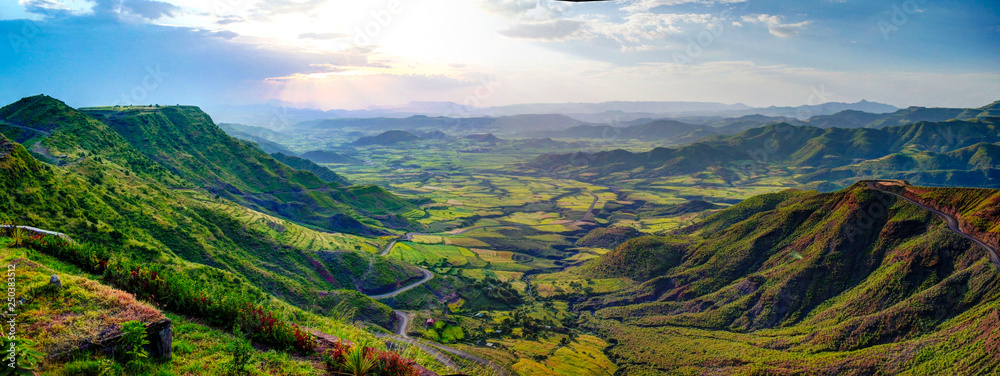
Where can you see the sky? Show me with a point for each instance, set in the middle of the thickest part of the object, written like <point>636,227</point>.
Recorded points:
<point>385,53</point>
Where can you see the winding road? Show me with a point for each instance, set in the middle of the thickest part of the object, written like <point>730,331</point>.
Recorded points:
<point>404,318</point>
<point>951,221</point>
<point>436,349</point>
<point>427,277</point>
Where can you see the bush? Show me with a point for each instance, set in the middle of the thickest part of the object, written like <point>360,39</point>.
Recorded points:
<point>242,354</point>
<point>27,358</point>
<point>132,343</point>
<point>359,360</point>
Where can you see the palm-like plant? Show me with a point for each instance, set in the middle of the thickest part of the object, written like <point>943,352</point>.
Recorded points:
<point>357,362</point>
<point>18,236</point>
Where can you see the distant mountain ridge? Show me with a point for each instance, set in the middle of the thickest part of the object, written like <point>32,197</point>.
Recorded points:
<point>280,117</point>
<point>804,147</point>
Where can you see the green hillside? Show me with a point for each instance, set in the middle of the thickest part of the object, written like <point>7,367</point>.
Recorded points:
<point>859,119</point>
<point>851,282</point>
<point>306,165</point>
<point>186,141</point>
<point>657,130</point>
<point>387,138</point>
<point>964,145</point>
<point>158,217</point>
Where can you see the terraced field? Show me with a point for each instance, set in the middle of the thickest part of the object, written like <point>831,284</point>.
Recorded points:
<point>499,244</point>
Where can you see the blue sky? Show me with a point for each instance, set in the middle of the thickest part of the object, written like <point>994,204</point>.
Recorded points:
<point>351,54</point>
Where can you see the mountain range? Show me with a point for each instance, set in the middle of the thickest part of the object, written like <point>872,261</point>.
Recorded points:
<point>162,204</point>
<point>950,152</point>
<point>799,282</point>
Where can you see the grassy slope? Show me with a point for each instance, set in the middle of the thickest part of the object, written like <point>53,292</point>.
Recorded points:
<point>853,282</point>
<point>99,199</point>
<point>185,140</point>
<point>811,147</point>
<point>85,309</point>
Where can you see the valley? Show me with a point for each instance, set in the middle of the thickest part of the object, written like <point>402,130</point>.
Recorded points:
<point>479,254</point>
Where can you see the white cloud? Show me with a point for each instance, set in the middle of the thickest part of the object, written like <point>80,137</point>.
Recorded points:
<point>549,30</point>
<point>637,6</point>
<point>641,28</point>
<point>776,26</point>
<point>525,9</point>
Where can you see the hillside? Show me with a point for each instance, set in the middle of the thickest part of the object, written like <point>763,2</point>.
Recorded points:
<point>157,217</point>
<point>265,144</point>
<point>653,131</point>
<point>80,325</point>
<point>307,165</point>
<point>809,148</point>
<point>861,119</point>
<point>188,143</point>
<point>387,138</point>
<point>850,282</point>
<point>326,156</point>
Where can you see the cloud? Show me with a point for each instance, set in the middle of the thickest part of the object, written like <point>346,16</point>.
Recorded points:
<point>775,25</point>
<point>46,8</point>
<point>525,9</point>
<point>268,8</point>
<point>229,20</point>
<point>322,36</point>
<point>550,30</point>
<point>637,6</point>
<point>148,9</point>
<point>640,28</point>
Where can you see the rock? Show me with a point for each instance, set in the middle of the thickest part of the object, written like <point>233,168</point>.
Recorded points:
<point>161,339</point>
<point>54,280</point>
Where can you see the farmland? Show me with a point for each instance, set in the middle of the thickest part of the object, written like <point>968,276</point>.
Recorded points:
<point>502,244</point>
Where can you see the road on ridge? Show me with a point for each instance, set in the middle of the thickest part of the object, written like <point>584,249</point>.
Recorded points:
<point>950,221</point>
<point>427,277</point>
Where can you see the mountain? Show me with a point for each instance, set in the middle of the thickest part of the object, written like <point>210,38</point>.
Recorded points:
<point>657,130</point>
<point>861,119</point>
<point>487,138</point>
<point>327,156</point>
<point>620,106</point>
<point>186,141</point>
<point>808,111</point>
<point>976,166</point>
<point>805,147</point>
<point>257,132</point>
<point>496,125</point>
<point>264,144</point>
<point>387,138</point>
<point>106,192</point>
<point>851,282</point>
<point>306,165</point>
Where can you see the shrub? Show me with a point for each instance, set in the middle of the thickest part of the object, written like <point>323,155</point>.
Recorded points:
<point>360,360</point>
<point>27,358</point>
<point>133,342</point>
<point>18,236</point>
<point>242,354</point>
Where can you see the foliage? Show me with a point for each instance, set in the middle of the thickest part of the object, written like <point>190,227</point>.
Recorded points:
<point>359,360</point>
<point>242,353</point>
<point>27,358</point>
<point>132,343</point>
